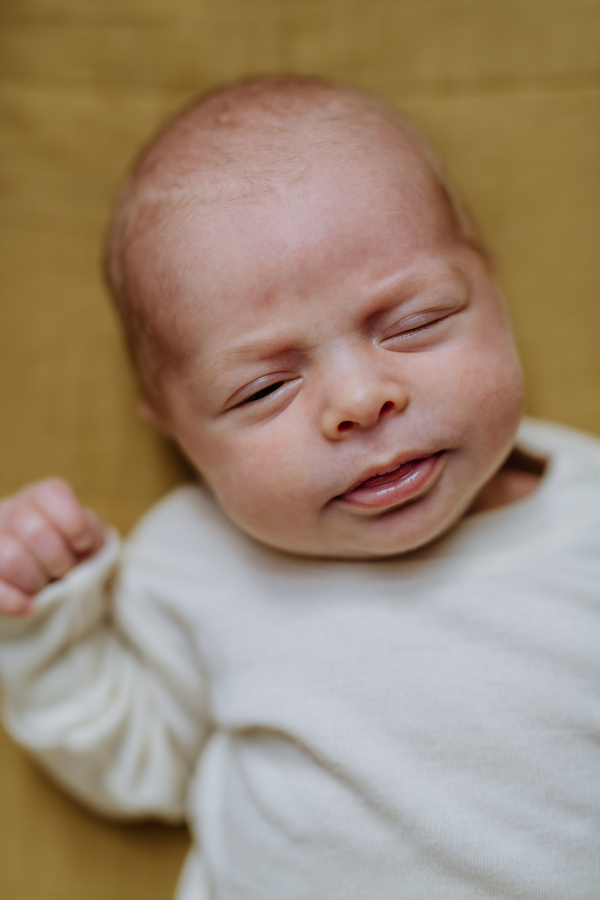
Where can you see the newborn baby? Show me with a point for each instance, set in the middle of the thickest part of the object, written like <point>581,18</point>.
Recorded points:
<point>361,658</point>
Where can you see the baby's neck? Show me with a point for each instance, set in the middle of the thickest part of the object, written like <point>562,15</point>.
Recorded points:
<point>518,477</point>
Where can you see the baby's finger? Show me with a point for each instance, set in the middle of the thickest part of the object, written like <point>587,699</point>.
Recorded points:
<point>42,539</point>
<point>59,502</point>
<point>6,507</point>
<point>96,530</point>
<point>14,602</point>
<point>18,567</point>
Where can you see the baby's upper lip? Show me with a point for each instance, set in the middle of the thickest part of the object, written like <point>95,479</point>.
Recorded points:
<point>387,468</point>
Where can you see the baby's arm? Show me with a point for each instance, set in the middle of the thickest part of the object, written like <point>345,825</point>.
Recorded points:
<point>113,705</point>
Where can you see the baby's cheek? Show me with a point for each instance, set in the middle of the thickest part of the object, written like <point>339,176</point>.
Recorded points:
<point>261,480</point>
<point>501,385</point>
<point>493,392</point>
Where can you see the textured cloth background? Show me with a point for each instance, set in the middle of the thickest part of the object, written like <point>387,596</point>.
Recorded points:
<point>507,89</point>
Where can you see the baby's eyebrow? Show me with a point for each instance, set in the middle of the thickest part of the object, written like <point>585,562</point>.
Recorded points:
<point>399,288</point>
<point>270,348</point>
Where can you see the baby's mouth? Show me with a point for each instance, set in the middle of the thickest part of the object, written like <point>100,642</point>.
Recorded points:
<point>407,482</point>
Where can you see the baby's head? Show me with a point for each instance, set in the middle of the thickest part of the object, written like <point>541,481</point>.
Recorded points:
<point>314,320</point>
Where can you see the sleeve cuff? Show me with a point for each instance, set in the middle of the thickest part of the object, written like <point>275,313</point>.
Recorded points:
<point>80,582</point>
<point>84,575</point>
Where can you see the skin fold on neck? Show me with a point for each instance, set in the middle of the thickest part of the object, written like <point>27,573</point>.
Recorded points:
<point>517,478</point>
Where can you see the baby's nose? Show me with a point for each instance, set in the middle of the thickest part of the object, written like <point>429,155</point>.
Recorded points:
<point>359,402</point>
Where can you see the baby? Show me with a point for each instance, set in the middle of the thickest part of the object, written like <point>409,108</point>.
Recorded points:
<point>361,658</point>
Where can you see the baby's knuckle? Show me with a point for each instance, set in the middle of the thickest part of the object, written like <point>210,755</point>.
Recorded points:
<point>12,554</point>
<point>59,565</point>
<point>55,487</point>
<point>31,525</point>
<point>57,499</point>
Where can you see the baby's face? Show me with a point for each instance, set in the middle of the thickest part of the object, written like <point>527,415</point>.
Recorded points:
<point>348,381</point>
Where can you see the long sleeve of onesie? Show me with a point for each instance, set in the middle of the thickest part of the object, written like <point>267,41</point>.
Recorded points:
<point>103,688</point>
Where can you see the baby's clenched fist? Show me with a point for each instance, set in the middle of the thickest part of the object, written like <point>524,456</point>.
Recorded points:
<point>44,532</point>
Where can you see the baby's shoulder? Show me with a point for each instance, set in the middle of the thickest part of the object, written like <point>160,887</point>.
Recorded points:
<point>572,459</point>
<point>183,529</point>
<point>551,437</point>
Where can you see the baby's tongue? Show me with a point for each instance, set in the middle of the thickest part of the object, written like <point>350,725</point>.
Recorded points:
<point>389,477</point>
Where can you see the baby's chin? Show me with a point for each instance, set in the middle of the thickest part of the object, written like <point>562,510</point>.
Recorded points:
<point>399,531</point>
<point>363,547</point>
<point>390,537</point>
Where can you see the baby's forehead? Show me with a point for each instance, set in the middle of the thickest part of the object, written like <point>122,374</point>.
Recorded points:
<point>215,241</point>
<point>199,177</point>
<point>214,195</point>
<point>320,211</point>
<point>267,260</point>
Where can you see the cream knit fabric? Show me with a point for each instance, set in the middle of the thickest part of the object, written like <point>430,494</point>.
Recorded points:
<point>424,728</point>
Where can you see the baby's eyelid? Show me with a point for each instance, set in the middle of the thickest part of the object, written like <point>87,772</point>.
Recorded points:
<point>269,384</point>
<point>262,393</point>
<point>417,322</point>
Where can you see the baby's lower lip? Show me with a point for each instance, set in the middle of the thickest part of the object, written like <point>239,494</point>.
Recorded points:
<point>405,483</point>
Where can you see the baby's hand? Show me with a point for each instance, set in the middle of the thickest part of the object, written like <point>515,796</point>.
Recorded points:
<point>44,532</point>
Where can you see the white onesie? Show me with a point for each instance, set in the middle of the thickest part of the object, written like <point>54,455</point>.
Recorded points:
<point>422,728</point>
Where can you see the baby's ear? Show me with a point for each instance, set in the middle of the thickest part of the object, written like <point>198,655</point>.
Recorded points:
<point>150,414</point>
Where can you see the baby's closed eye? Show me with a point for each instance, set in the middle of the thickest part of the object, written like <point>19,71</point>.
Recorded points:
<point>276,385</point>
<point>263,392</point>
<point>415,329</point>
